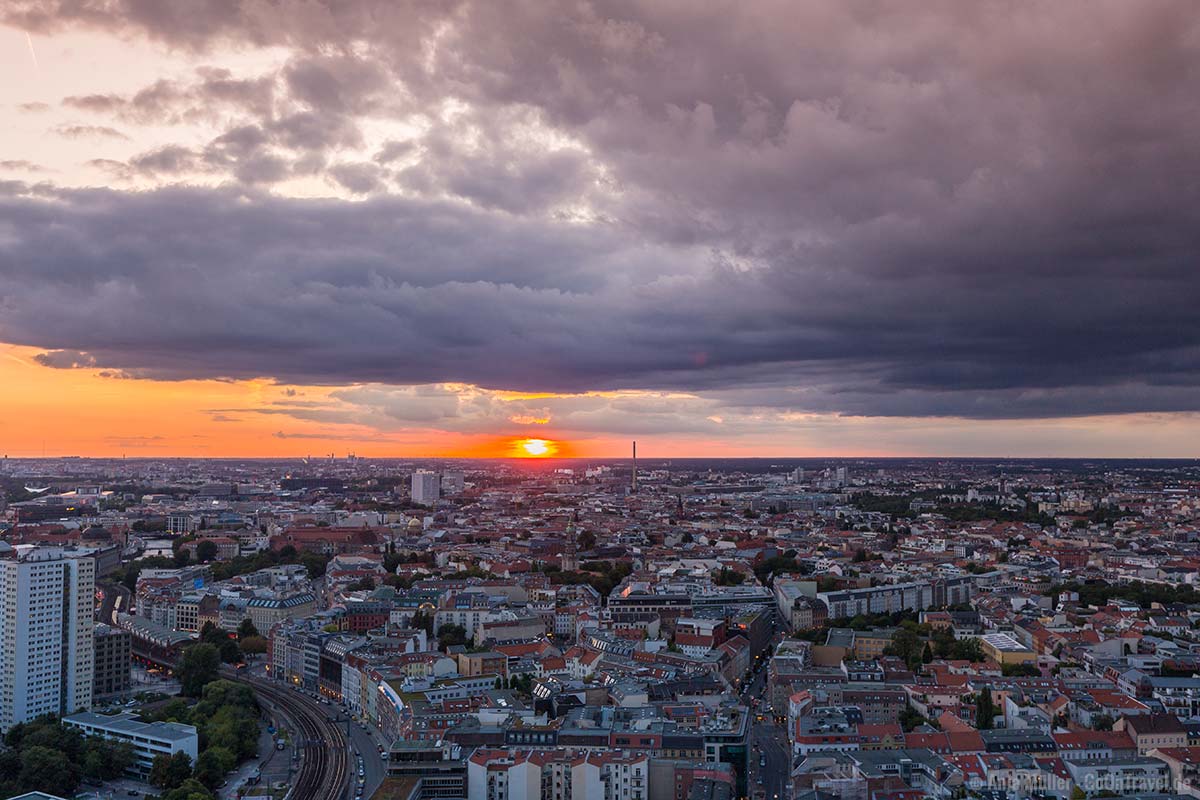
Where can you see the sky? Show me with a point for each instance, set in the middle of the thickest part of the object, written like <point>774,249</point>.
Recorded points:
<point>424,228</point>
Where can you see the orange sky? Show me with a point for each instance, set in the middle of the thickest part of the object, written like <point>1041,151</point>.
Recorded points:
<point>78,412</point>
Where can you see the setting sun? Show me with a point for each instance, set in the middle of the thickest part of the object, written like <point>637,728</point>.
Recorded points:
<point>537,448</point>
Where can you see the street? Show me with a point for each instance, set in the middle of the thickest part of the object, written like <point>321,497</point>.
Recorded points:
<point>770,753</point>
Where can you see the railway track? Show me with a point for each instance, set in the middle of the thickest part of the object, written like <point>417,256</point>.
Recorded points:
<point>324,766</point>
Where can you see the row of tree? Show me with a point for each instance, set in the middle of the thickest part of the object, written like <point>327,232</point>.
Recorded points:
<point>1144,594</point>
<point>226,719</point>
<point>45,755</point>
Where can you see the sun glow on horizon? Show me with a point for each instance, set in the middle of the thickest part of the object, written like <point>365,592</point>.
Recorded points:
<point>536,448</point>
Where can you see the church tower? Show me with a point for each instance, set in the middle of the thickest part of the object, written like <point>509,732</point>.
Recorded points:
<point>570,557</point>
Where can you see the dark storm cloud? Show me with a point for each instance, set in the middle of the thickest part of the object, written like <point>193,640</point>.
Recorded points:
<point>399,291</point>
<point>982,209</point>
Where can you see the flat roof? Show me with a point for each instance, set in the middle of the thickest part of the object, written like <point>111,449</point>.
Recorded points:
<point>1002,641</point>
<point>127,723</point>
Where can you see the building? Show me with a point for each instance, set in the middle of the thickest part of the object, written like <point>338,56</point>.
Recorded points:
<point>46,601</point>
<point>148,739</point>
<point>1004,649</point>
<point>471,665</point>
<point>438,768</point>
<point>183,523</point>
<point>1119,776</point>
<point>426,487</point>
<point>267,612</point>
<point>557,774</point>
<point>113,651</point>
<point>916,596</point>
<point>453,483</point>
<point>1151,731</point>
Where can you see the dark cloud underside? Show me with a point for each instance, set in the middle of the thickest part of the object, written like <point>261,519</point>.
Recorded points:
<point>984,210</point>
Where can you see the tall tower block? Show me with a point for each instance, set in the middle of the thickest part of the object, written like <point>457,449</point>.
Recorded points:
<point>633,481</point>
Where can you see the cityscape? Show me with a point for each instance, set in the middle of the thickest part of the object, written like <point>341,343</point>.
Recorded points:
<point>628,628</point>
<point>599,400</point>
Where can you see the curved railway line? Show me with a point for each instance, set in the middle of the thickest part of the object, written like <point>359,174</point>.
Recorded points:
<point>324,765</point>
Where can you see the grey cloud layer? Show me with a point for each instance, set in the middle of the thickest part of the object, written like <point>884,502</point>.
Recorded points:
<point>979,210</point>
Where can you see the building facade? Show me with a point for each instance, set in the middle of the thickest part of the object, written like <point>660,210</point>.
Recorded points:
<point>46,601</point>
<point>112,653</point>
<point>426,487</point>
<point>148,739</point>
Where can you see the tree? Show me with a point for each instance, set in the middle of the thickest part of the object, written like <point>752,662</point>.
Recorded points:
<point>985,710</point>
<point>423,620</point>
<point>586,540</point>
<point>729,577</point>
<point>363,584</point>
<point>246,629</point>
<point>254,645</point>
<point>910,719</point>
<point>1020,671</point>
<point>49,770</point>
<point>170,771</point>
<point>199,665</point>
<point>450,635</point>
<point>191,789</point>
<point>212,765</point>
<point>230,652</point>
<point>129,581</point>
<point>106,761</point>
<point>926,654</point>
<point>315,563</point>
<point>1102,722</point>
<point>211,634</point>
<point>907,645</point>
<point>206,550</point>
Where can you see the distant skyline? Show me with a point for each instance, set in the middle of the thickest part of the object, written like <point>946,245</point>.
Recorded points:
<point>736,228</point>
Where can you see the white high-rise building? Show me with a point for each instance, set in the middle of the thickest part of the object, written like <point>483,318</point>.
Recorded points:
<point>46,602</point>
<point>426,487</point>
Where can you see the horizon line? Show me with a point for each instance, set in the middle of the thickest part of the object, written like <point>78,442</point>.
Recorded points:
<point>534,459</point>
